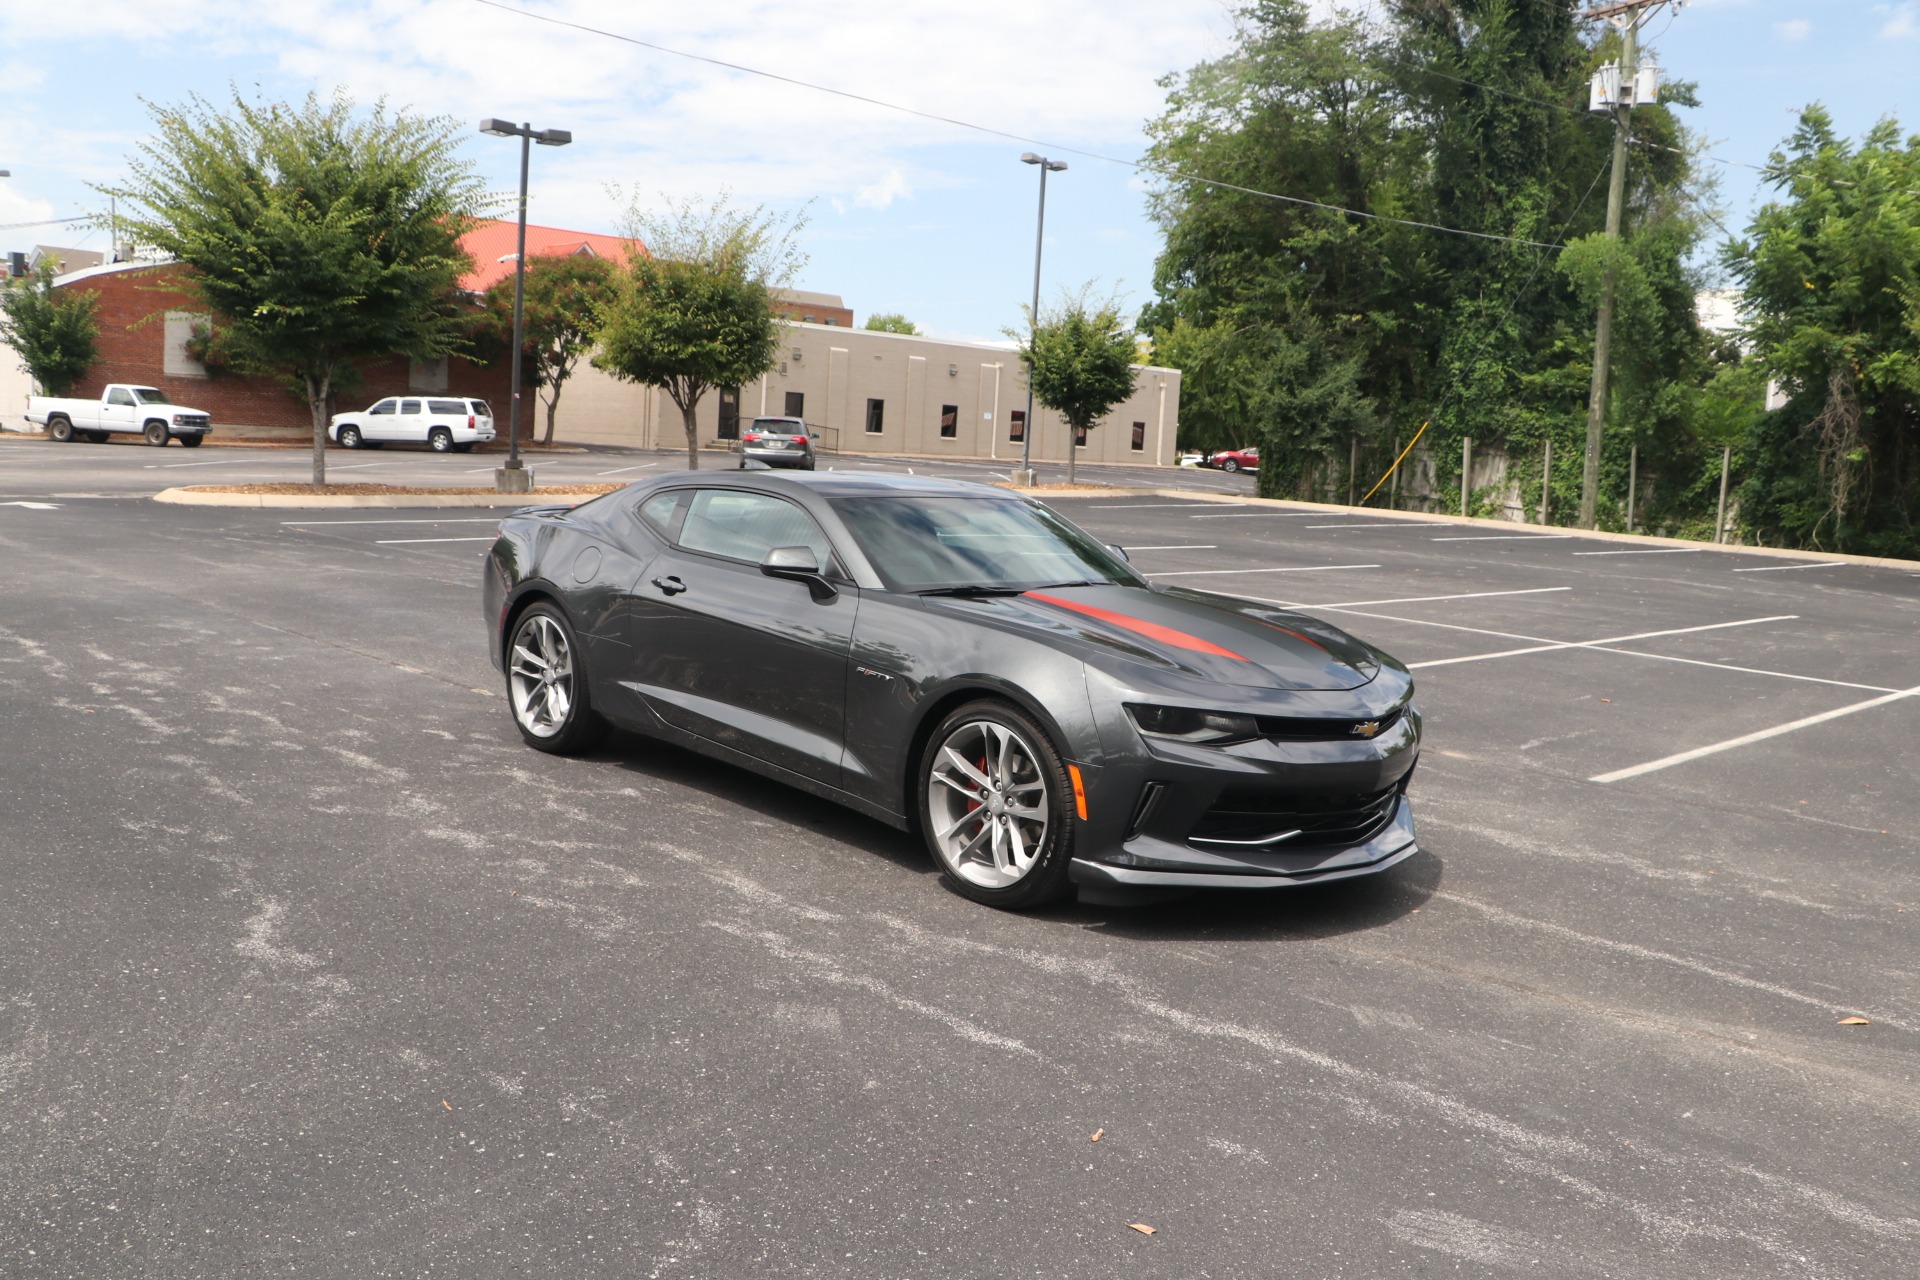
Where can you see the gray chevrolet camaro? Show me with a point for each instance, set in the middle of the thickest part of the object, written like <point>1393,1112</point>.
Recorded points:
<point>959,661</point>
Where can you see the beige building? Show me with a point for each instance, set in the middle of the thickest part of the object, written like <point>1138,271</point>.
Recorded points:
<point>867,392</point>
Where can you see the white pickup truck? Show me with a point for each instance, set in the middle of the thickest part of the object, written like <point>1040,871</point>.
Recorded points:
<point>123,409</point>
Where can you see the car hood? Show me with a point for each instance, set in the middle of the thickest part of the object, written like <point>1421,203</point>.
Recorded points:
<point>1219,638</point>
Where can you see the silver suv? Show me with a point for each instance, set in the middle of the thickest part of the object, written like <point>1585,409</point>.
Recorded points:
<point>778,442</point>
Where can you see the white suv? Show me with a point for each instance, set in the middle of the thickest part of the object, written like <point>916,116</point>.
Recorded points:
<point>443,424</point>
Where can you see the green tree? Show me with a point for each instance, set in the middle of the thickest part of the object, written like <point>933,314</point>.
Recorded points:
<point>696,311</point>
<point>1079,358</point>
<point>52,329</point>
<point>317,236</point>
<point>890,322</point>
<point>560,320</point>
<point>1831,279</point>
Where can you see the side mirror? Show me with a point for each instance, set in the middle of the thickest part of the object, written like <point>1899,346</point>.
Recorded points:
<point>799,564</point>
<point>1120,551</point>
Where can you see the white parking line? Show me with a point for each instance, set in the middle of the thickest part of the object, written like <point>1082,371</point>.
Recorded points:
<point>1310,568</point>
<point>623,470</point>
<point>229,462</point>
<point>411,520</point>
<point>1147,506</point>
<point>1381,524</point>
<point>1776,568</point>
<point>1270,515</point>
<point>1465,595</point>
<point>400,542</point>
<point>1552,645</point>
<point>1507,537</point>
<point>1667,762</point>
<point>1195,548</point>
<point>1657,551</point>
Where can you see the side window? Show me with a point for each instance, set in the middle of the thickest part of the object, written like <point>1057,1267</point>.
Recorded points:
<point>447,406</point>
<point>385,406</point>
<point>876,416</point>
<point>661,513</point>
<point>745,526</point>
<point>409,406</point>
<point>1017,431</point>
<point>120,395</point>
<point>949,421</point>
<point>796,404</point>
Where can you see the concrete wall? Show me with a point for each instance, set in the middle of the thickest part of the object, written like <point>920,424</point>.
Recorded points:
<point>838,371</point>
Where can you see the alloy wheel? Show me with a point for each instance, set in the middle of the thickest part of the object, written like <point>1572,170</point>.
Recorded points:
<point>540,677</point>
<point>987,804</point>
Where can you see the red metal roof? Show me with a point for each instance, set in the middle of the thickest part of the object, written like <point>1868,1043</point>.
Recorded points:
<point>493,239</point>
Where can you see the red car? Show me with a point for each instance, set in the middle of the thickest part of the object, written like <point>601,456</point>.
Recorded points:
<point>1235,460</point>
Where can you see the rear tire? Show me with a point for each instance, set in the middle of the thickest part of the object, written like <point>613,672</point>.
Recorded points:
<point>191,442</point>
<point>157,434</point>
<point>59,429</point>
<point>547,684</point>
<point>440,440</point>
<point>349,437</point>
<point>1230,466</point>
<point>996,807</point>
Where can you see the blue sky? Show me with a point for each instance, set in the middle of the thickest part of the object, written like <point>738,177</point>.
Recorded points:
<point>904,214</point>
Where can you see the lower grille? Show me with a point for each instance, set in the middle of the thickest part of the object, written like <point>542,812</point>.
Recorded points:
<point>1246,817</point>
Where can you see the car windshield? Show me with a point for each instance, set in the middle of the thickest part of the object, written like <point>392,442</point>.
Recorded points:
<point>150,395</point>
<point>778,427</point>
<point>921,543</point>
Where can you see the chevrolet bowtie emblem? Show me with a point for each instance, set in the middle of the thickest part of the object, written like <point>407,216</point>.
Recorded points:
<point>1365,729</point>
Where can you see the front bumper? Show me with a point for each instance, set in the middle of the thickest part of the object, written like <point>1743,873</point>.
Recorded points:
<point>1161,864</point>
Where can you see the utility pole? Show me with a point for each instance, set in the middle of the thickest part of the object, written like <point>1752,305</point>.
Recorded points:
<point>1615,90</point>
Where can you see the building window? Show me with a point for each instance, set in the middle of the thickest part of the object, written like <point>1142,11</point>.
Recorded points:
<point>796,404</point>
<point>1018,431</point>
<point>1079,437</point>
<point>729,413</point>
<point>1139,437</point>
<point>949,421</point>
<point>876,416</point>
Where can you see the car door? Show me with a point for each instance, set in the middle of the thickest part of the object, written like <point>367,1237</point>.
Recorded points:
<point>410,422</point>
<point>724,651</point>
<point>118,411</point>
<point>377,424</point>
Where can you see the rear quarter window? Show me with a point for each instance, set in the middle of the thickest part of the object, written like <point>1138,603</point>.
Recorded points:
<point>446,406</point>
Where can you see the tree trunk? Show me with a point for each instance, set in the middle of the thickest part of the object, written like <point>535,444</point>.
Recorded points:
<point>693,439</point>
<point>1073,452</point>
<point>553,405</point>
<point>319,392</point>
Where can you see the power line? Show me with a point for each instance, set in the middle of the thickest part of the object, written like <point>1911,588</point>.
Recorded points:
<point>45,222</point>
<point>1135,165</point>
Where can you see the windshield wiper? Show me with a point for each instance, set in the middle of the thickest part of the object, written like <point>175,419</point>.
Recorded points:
<point>972,589</point>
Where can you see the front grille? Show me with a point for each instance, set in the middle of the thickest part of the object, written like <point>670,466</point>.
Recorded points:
<point>1306,729</point>
<point>193,420</point>
<point>1244,814</point>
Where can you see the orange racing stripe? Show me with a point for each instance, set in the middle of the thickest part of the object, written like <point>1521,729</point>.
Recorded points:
<point>1152,630</point>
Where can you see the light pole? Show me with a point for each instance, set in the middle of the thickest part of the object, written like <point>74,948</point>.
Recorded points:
<point>1024,476</point>
<point>513,478</point>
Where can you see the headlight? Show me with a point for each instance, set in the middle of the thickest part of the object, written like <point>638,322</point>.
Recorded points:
<point>179,418</point>
<point>1182,724</point>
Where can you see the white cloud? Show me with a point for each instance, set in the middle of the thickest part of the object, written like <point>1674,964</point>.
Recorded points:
<point>1903,25</point>
<point>1793,29</point>
<point>880,194</point>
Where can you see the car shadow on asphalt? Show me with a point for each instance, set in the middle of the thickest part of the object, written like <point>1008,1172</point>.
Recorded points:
<point>1301,914</point>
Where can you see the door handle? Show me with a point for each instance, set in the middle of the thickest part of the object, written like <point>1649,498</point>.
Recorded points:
<point>670,585</point>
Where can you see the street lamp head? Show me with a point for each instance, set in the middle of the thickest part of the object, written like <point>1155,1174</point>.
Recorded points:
<point>499,128</point>
<point>553,137</point>
<point>1056,165</point>
<point>1030,158</point>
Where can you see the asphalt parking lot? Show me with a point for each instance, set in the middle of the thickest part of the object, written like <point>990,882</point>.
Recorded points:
<point>308,966</point>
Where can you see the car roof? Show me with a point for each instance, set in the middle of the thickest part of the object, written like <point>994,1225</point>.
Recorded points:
<point>830,483</point>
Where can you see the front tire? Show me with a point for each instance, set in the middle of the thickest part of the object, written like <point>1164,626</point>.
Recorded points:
<point>349,437</point>
<point>996,808</point>
<point>1231,466</point>
<point>440,440</point>
<point>157,434</point>
<point>547,684</point>
<point>59,429</point>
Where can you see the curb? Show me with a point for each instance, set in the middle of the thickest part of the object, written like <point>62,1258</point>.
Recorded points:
<point>1650,541</point>
<point>348,501</point>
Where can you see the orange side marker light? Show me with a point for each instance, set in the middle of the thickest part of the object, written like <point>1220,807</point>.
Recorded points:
<point>1079,791</point>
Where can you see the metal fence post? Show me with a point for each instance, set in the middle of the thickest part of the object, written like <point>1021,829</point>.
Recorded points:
<point>1633,475</point>
<point>1393,480</point>
<point>1466,473</point>
<point>1720,521</point>
<point>1546,483</point>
